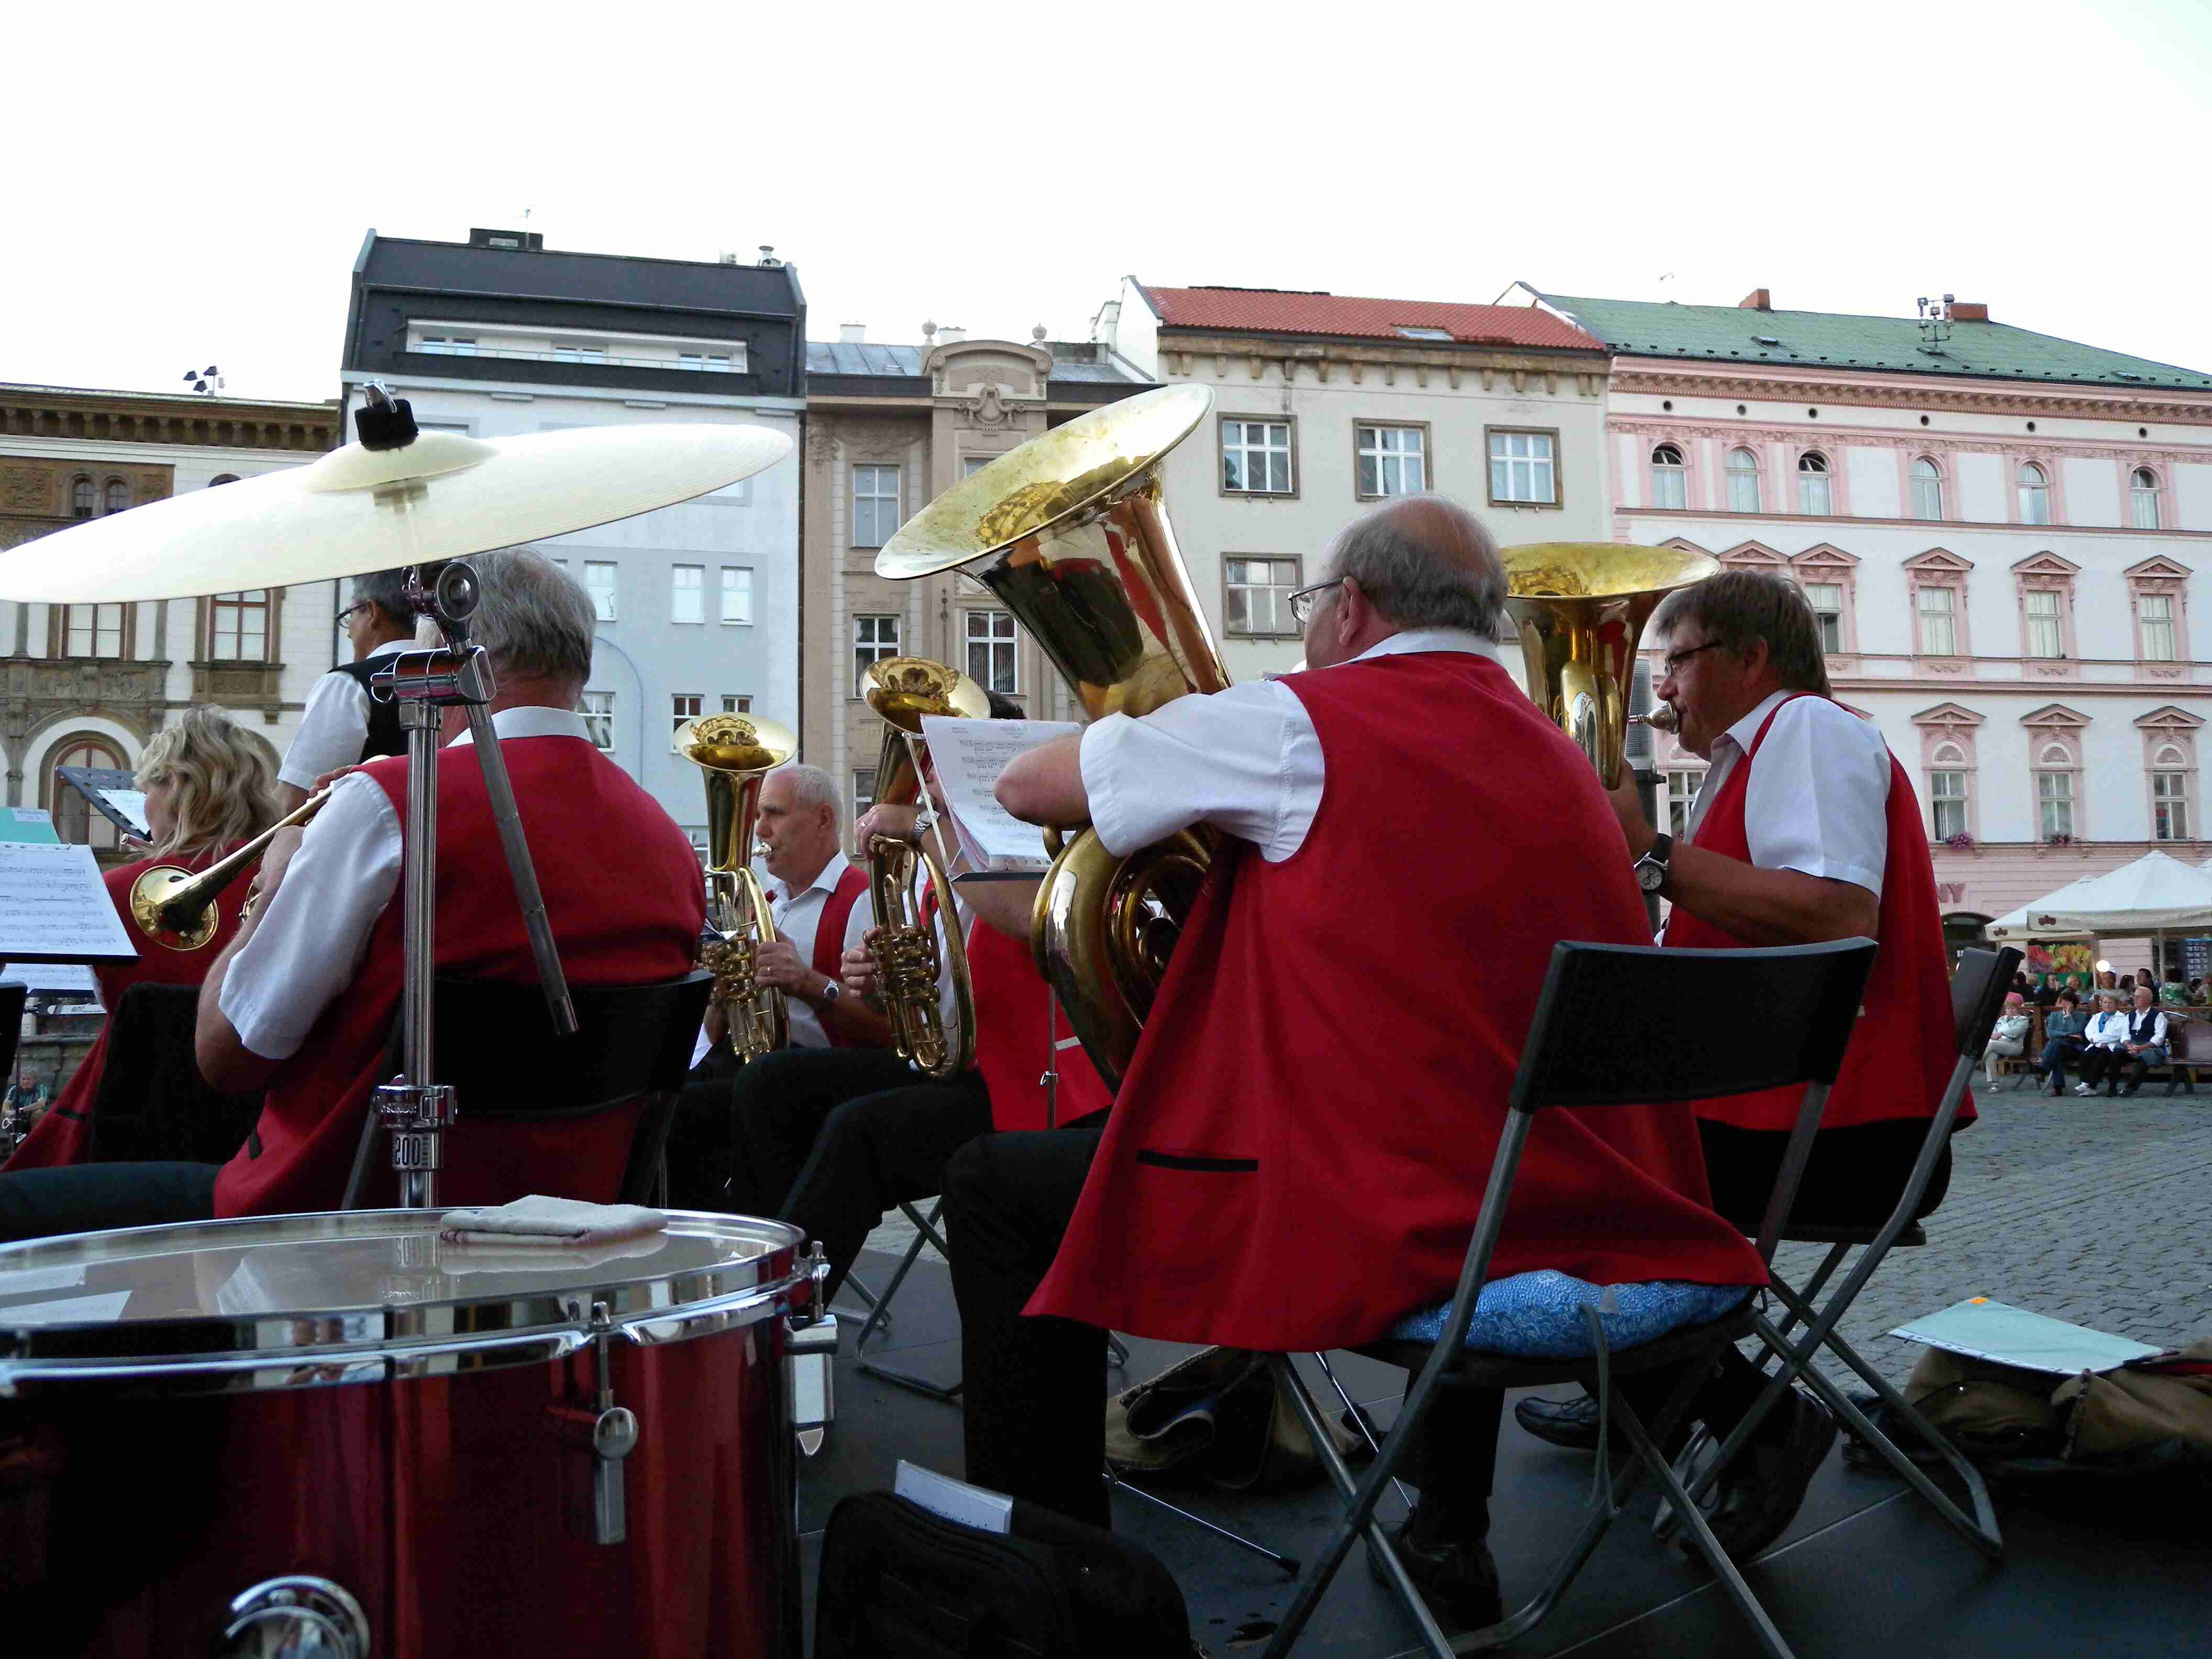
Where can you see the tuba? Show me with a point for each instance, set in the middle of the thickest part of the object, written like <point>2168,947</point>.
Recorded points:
<point>902,689</point>
<point>1070,532</point>
<point>1581,607</point>
<point>735,753</point>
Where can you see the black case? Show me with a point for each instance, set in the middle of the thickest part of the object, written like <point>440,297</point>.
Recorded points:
<point>897,1580</point>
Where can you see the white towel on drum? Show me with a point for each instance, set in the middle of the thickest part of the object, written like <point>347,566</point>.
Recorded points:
<point>563,1221</point>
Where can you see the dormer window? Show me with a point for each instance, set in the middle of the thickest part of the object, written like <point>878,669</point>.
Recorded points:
<point>1413,332</point>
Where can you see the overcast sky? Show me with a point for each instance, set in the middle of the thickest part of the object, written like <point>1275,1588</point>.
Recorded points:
<point>190,184</point>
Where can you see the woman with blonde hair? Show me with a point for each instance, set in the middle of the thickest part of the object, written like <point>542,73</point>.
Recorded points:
<point>208,787</point>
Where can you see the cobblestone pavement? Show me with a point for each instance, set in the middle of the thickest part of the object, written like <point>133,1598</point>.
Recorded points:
<point>2097,1211</point>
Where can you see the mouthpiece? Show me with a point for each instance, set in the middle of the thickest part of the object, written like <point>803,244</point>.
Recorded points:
<point>1661,719</point>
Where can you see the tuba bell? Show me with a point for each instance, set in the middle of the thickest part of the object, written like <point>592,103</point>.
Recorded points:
<point>902,689</point>
<point>734,754</point>
<point>1581,607</point>
<point>1070,533</point>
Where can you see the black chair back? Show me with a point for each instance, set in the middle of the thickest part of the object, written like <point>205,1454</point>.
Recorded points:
<point>152,1104</point>
<point>1979,986</point>
<point>11,1027</point>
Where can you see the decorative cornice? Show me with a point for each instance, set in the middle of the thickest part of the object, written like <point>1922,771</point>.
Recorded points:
<point>2158,567</point>
<point>1947,715</point>
<point>1708,515</point>
<point>1939,559</point>
<point>1980,398</point>
<point>2056,715</point>
<point>1824,436</point>
<point>2169,718</point>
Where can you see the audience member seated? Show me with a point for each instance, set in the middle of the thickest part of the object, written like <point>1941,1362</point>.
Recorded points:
<point>2008,1036</point>
<point>2103,1048</point>
<point>2146,1045</point>
<point>2045,990</point>
<point>2062,1033</point>
<point>208,787</point>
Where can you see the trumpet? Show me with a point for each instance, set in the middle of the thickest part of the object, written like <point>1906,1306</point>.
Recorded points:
<point>175,909</point>
<point>734,754</point>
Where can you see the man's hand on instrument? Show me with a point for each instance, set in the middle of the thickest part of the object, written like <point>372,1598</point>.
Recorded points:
<point>859,970</point>
<point>895,822</point>
<point>778,967</point>
<point>329,778</point>
<point>1628,808</point>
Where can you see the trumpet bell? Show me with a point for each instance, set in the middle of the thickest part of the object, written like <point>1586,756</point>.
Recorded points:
<point>150,896</point>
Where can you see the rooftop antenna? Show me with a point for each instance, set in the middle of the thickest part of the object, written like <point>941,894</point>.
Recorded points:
<point>1935,323</point>
<point>208,380</point>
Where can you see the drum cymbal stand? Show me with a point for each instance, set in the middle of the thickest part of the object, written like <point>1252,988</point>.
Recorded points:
<point>417,1110</point>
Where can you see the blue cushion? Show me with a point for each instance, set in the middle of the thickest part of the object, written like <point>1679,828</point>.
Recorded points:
<point>1538,1315</point>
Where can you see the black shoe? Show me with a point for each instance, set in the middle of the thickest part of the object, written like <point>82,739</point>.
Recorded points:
<point>1764,1487</point>
<point>1568,1423</point>
<point>1460,1580</point>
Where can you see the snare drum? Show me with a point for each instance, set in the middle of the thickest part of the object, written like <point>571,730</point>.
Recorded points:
<point>242,1434</point>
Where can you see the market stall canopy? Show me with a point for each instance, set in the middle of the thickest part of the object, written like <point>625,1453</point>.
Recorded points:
<point>2036,922</point>
<point>2155,894</point>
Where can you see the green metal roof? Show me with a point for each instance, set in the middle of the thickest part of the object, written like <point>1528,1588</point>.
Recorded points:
<point>1981,351</point>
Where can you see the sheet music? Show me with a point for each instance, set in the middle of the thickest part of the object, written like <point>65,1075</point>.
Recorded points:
<point>54,906</point>
<point>28,823</point>
<point>969,755</point>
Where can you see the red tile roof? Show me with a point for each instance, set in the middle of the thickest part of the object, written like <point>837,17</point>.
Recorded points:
<point>1276,311</point>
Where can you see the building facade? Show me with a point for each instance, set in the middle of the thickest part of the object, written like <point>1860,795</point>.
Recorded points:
<point>888,428</point>
<point>698,602</point>
<point>90,685</point>
<point>1326,403</point>
<point>2004,533</point>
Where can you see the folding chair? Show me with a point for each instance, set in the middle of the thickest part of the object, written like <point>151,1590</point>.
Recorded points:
<point>1609,1032</point>
<point>1977,994</point>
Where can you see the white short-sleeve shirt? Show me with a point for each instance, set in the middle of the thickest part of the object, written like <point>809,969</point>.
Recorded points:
<point>797,913</point>
<point>334,726</point>
<point>1818,801</point>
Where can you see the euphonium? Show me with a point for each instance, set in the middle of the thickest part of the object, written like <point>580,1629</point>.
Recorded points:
<point>1581,607</point>
<point>734,754</point>
<point>902,689</point>
<point>174,908</point>
<point>1070,532</point>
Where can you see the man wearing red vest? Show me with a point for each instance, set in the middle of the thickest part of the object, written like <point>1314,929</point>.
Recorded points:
<point>1299,1149</point>
<point>302,1002</point>
<point>1807,829</point>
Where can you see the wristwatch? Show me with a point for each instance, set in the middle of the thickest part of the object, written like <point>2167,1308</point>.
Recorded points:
<point>835,990</point>
<point>1651,868</point>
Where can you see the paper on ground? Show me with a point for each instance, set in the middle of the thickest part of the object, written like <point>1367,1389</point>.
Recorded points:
<point>956,1500</point>
<point>969,756</point>
<point>1983,1329</point>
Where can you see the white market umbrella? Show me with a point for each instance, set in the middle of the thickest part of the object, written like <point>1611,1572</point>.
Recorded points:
<point>2156,894</point>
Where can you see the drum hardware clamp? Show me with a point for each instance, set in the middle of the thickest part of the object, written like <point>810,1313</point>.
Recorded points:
<point>301,1615</point>
<point>595,1439</point>
<point>809,1351</point>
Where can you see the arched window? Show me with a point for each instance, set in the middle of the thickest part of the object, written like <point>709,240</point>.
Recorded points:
<point>1947,791</point>
<point>1742,481</point>
<point>1927,489</point>
<point>119,495</point>
<point>73,819</point>
<point>2054,792</point>
<point>84,500</point>
<point>2169,794</point>
<point>2034,495</point>
<point>1669,478</point>
<point>2143,495</point>
<point>1813,484</point>
<point>222,477</point>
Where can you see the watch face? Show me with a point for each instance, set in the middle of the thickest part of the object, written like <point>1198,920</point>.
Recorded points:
<point>1650,877</point>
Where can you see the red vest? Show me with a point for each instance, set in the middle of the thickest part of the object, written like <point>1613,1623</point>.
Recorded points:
<point>1013,1047</point>
<point>637,923</point>
<point>1904,1047</point>
<point>65,1133</point>
<point>1299,1150</point>
<point>829,935</point>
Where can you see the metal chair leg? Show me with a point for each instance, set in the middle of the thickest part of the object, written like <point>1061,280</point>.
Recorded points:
<point>880,1317</point>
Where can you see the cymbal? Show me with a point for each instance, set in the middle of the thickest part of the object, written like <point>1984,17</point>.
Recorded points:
<point>356,510</point>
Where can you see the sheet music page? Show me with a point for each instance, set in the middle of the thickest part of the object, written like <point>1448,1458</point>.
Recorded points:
<point>28,823</point>
<point>969,755</point>
<point>52,904</point>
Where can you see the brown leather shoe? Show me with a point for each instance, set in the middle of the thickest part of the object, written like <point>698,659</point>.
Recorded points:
<point>1762,1490</point>
<point>1458,1578</point>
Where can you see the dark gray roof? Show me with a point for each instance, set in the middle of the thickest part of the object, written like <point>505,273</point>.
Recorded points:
<point>553,274</point>
<point>843,357</point>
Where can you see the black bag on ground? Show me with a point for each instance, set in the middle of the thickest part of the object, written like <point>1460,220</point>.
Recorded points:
<point>897,1580</point>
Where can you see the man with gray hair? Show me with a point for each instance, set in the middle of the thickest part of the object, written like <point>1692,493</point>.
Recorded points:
<point>344,726</point>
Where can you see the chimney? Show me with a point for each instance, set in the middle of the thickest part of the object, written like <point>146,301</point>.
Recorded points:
<point>951,335</point>
<point>1756,300</point>
<point>852,333</point>
<point>1965,311</point>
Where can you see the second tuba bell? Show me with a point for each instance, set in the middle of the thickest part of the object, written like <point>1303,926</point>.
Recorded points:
<point>734,754</point>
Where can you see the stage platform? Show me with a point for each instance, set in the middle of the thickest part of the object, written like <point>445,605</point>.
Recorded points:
<point>1867,1569</point>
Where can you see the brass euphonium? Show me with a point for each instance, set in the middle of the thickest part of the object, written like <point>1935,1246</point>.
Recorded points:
<point>734,754</point>
<point>175,908</point>
<point>1581,607</point>
<point>1070,532</point>
<point>902,689</point>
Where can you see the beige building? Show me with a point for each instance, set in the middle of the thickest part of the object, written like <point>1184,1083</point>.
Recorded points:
<point>888,428</point>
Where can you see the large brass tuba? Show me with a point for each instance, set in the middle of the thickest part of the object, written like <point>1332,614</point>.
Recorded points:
<point>902,689</point>
<point>734,754</point>
<point>1581,607</point>
<point>1069,530</point>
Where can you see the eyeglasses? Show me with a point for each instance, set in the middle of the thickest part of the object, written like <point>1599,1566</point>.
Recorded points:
<point>1302,601</point>
<point>1671,664</point>
<point>344,615</point>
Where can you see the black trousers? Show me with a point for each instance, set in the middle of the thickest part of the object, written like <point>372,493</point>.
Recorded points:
<point>85,1198</point>
<point>2103,1066</point>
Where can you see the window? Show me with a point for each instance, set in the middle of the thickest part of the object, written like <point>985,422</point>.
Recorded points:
<point>1939,622</point>
<point>2054,799</point>
<point>1521,469</point>
<point>598,708</point>
<point>734,703</point>
<point>2044,637</point>
<point>95,630</point>
<point>1256,457</point>
<point>2143,495</point>
<point>2169,799</point>
<point>873,639</point>
<point>864,790</point>
<point>875,505</point>
<point>684,706</point>
<point>84,500</point>
<point>599,583</point>
<point>222,478</point>
<point>971,465</point>
<point>687,593</point>
<point>1826,600</point>
<point>1670,479</point>
<point>1947,803</point>
<point>1394,460</point>
<point>991,649</point>
<point>1681,795</point>
<point>119,495</point>
<point>1927,489</point>
<point>2034,495</point>
<point>2156,611</point>
<point>579,354</point>
<point>1256,596</point>
<point>238,625</point>
<point>705,363</point>
<point>449,345</point>
<point>1813,494</point>
<point>74,821</point>
<point>1742,481</point>
<point>737,593</point>
<point>1412,332</point>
